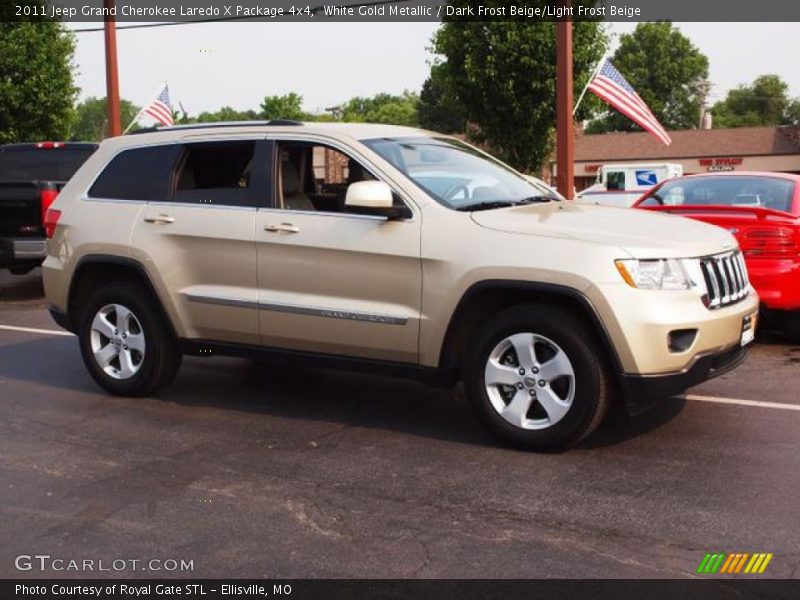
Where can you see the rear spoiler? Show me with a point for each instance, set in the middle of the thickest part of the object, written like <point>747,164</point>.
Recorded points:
<point>757,211</point>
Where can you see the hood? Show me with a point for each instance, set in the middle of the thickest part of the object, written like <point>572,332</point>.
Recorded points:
<point>640,233</point>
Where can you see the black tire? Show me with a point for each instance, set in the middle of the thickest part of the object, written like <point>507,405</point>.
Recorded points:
<point>162,357</point>
<point>591,380</point>
<point>791,326</point>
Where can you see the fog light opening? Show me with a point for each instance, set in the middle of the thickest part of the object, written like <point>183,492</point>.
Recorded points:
<point>680,340</point>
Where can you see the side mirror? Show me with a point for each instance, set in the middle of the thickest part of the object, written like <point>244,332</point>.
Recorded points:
<point>373,198</point>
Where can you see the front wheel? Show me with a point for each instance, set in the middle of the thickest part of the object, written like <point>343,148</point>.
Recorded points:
<point>124,342</point>
<point>534,377</point>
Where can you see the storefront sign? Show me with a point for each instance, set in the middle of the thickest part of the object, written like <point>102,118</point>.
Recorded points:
<point>721,164</point>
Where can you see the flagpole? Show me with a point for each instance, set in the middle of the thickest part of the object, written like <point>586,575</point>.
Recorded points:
<point>586,87</point>
<point>141,110</point>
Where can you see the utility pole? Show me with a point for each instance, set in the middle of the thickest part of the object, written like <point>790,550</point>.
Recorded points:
<point>565,140</point>
<point>703,89</point>
<point>112,74</point>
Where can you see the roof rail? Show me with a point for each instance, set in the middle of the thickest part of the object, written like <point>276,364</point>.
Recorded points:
<point>271,122</point>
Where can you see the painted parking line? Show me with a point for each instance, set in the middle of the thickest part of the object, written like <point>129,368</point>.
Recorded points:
<point>739,402</point>
<point>34,330</point>
<point>695,398</point>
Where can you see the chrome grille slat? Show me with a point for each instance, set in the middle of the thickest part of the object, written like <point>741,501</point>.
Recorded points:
<point>726,279</point>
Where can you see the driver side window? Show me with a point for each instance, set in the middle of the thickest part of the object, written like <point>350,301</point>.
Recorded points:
<point>315,177</point>
<point>615,180</point>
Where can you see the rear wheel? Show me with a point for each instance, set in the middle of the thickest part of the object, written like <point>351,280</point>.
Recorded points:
<point>535,379</point>
<point>124,342</point>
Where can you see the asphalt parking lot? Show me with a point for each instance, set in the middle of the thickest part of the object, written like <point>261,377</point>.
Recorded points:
<point>251,470</point>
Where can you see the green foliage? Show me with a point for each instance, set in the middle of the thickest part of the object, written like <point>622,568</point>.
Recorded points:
<point>37,91</point>
<point>503,73</point>
<point>383,108</point>
<point>288,106</point>
<point>764,102</point>
<point>667,71</point>
<point>226,113</point>
<point>439,108</point>
<point>793,112</point>
<point>91,123</point>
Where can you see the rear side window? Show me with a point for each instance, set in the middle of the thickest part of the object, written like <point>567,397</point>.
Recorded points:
<point>137,174</point>
<point>42,164</point>
<point>216,173</point>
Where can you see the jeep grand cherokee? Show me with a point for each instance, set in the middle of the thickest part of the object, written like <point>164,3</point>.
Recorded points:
<point>390,249</point>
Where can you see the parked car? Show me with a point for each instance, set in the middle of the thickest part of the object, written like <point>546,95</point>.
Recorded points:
<point>545,309</point>
<point>763,211</point>
<point>31,176</point>
<point>622,185</point>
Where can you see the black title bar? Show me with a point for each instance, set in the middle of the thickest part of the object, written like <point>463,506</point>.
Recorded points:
<point>408,10</point>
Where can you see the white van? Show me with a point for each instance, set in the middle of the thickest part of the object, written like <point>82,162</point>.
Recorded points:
<point>622,185</point>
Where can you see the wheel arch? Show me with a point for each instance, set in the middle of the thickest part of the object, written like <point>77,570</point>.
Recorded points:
<point>93,270</point>
<point>486,298</point>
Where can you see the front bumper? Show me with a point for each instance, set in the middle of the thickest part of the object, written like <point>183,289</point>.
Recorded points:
<point>21,252</point>
<point>641,392</point>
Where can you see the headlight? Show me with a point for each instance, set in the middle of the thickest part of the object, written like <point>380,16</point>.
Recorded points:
<point>659,274</point>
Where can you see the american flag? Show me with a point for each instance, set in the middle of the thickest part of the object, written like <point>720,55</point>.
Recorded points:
<point>160,109</point>
<point>612,88</point>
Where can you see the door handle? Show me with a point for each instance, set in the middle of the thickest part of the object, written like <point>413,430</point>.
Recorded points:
<point>160,219</point>
<point>282,228</point>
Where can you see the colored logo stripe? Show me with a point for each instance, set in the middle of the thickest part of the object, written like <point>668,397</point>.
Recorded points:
<point>734,563</point>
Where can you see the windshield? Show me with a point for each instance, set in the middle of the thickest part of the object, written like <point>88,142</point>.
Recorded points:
<point>458,175</point>
<point>763,192</point>
<point>34,164</point>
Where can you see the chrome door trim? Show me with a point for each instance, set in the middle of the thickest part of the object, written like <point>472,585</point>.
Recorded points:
<point>299,309</point>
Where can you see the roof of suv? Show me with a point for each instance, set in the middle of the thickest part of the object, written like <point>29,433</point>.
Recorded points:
<point>358,131</point>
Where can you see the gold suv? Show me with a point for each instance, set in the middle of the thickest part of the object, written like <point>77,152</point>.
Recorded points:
<point>394,250</point>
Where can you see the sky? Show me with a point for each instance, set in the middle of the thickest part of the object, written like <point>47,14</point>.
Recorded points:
<point>209,66</point>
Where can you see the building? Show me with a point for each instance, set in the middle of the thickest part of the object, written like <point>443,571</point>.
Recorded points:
<point>698,150</point>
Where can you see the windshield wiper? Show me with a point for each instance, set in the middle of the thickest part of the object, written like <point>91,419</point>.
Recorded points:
<point>534,199</point>
<point>489,204</point>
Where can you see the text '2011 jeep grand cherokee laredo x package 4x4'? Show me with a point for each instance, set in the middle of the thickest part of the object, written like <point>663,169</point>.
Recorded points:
<point>393,249</point>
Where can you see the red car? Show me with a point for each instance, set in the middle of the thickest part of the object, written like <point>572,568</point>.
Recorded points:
<point>763,211</point>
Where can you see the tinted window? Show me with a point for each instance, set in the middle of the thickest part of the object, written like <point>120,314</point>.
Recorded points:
<point>137,174</point>
<point>42,164</point>
<point>764,192</point>
<point>216,173</point>
<point>615,180</point>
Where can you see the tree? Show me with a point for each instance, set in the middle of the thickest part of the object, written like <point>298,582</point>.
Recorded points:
<point>503,73</point>
<point>439,108</point>
<point>667,71</point>
<point>764,102</point>
<point>288,106</point>
<point>91,122</point>
<point>37,90</point>
<point>793,112</point>
<point>226,113</point>
<point>382,108</point>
